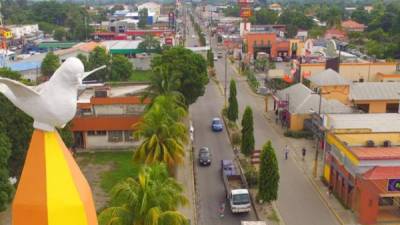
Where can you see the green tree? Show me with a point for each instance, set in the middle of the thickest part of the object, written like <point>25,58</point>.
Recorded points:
<point>6,189</point>
<point>50,64</point>
<point>261,64</point>
<point>360,15</point>
<point>59,34</point>
<point>150,44</point>
<point>150,199</point>
<point>233,108</point>
<point>210,58</point>
<point>121,68</point>
<point>163,139</point>
<point>66,135</point>
<point>247,145</point>
<point>187,69</point>
<point>99,57</point>
<point>143,14</point>
<point>233,11</point>
<point>264,16</point>
<point>268,175</point>
<point>84,60</point>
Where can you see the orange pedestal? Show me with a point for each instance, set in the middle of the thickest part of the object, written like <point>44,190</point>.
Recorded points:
<point>52,189</point>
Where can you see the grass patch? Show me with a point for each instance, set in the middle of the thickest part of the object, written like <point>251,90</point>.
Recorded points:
<point>123,166</point>
<point>140,75</point>
<point>273,216</point>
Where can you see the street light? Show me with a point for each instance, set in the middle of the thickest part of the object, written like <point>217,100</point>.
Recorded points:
<point>225,75</point>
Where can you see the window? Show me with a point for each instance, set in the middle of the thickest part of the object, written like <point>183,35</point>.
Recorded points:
<point>97,133</point>
<point>115,136</point>
<point>392,108</point>
<point>129,136</point>
<point>363,107</point>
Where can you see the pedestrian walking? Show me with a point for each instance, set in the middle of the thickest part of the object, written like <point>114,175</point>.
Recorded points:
<point>221,210</point>
<point>330,190</point>
<point>286,152</point>
<point>303,153</point>
<point>276,116</point>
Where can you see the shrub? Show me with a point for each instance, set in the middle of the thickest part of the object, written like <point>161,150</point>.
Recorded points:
<point>236,138</point>
<point>299,134</point>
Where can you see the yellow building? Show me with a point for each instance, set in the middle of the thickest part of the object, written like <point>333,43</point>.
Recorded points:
<point>296,47</point>
<point>376,97</point>
<point>354,72</point>
<point>361,161</point>
<point>332,85</point>
<point>297,102</point>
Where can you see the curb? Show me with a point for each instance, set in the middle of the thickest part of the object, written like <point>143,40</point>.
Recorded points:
<point>195,190</point>
<point>312,182</point>
<point>219,86</point>
<point>281,221</point>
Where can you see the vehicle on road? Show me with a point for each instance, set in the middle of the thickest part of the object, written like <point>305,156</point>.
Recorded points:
<point>220,55</point>
<point>216,124</point>
<point>235,187</point>
<point>204,156</point>
<point>215,58</point>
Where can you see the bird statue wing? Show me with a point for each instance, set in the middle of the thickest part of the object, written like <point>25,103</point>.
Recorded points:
<point>18,89</point>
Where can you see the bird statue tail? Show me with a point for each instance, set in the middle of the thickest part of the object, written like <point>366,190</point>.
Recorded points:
<point>85,74</point>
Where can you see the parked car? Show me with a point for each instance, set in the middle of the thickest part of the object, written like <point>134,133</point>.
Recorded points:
<point>204,156</point>
<point>216,124</point>
<point>279,59</point>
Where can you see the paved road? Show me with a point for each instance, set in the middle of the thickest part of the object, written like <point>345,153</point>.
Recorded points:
<point>210,186</point>
<point>298,202</point>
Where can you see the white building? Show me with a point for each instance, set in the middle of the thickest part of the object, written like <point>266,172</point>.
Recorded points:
<point>151,7</point>
<point>19,31</point>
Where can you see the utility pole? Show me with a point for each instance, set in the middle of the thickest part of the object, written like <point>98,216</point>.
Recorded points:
<point>315,172</point>
<point>226,75</point>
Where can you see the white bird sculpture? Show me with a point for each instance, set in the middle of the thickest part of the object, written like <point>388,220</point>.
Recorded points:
<point>53,103</point>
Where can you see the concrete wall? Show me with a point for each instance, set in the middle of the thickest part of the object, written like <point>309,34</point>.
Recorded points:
<point>297,121</point>
<point>361,138</point>
<point>376,106</point>
<point>101,142</point>
<point>354,71</point>
<point>338,92</point>
<point>118,109</point>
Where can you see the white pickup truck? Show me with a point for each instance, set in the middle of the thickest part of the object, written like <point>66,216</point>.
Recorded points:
<point>253,223</point>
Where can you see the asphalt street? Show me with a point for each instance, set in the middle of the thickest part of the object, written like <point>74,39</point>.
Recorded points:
<point>211,192</point>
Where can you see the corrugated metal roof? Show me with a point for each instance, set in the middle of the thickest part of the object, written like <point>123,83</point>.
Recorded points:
<point>328,77</point>
<point>376,122</point>
<point>302,101</point>
<point>24,66</point>
<point>375,91</point>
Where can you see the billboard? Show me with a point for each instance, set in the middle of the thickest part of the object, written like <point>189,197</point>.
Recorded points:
<point>245,1</point>
<point>394,185</point>
<point>245,12</point>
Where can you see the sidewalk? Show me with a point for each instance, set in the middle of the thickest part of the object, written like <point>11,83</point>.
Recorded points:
<point>185,177</point>
<point>344,216</point>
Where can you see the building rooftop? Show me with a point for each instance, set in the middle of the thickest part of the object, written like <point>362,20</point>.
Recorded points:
<point>375,91</point>
<point>328,77</point>
<point>376,153</point>
<point>375,122</point>
<point>351,24</point>
<point>83,47</point>
<point>302,101</point>
<point>380,173</point>
<point>114,91</point>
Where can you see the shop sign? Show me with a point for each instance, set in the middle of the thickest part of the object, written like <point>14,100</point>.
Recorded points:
<point>394,185</point>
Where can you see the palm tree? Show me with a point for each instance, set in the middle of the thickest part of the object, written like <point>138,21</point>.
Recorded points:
<point>163,138</point>
<point>163,82</point>
<point>151,199</point>
<point>175,109</point>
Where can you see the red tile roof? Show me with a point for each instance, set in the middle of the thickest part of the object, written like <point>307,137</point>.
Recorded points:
<point>376,153</point>
<point>382,173</point>
<point>351,24</point>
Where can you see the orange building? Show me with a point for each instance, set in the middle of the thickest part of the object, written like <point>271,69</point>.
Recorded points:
<point>261,42</point>
<point>106,116</point>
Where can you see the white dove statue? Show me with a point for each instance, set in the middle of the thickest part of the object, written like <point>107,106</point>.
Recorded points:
<point>53,103</point>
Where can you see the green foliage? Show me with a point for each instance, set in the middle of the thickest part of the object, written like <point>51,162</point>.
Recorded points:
<point>163,136</point>
<point>261,64</point>
<point>232,11</point>
<point>17,126</point>
<point>250,173</point>
<point>268,174</point>
<point>316,32</point>
<point>50,64</point>
<point>59,34</point>
<point>251,80</point>
<point>141,75</point>
<point>295,18</point>
<point>298,134</point>
<point>331,14</point>
<point>199,32</point>
<point>67,135</point>
<point>150,44</point>
<point>152,198</point>
<point>233,107</point>
<point>143,14</point>
<point>186,71</point>
<point>360,15</point>
<point>99,57</point>
<point>264,16</point>
<point>210,58</point>
<point>121,68</point>
<point>6,189</point>
<point>84,60</point>
<point>247,145</point>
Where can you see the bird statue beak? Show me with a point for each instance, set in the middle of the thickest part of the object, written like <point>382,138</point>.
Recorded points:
<point>85,74</point>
